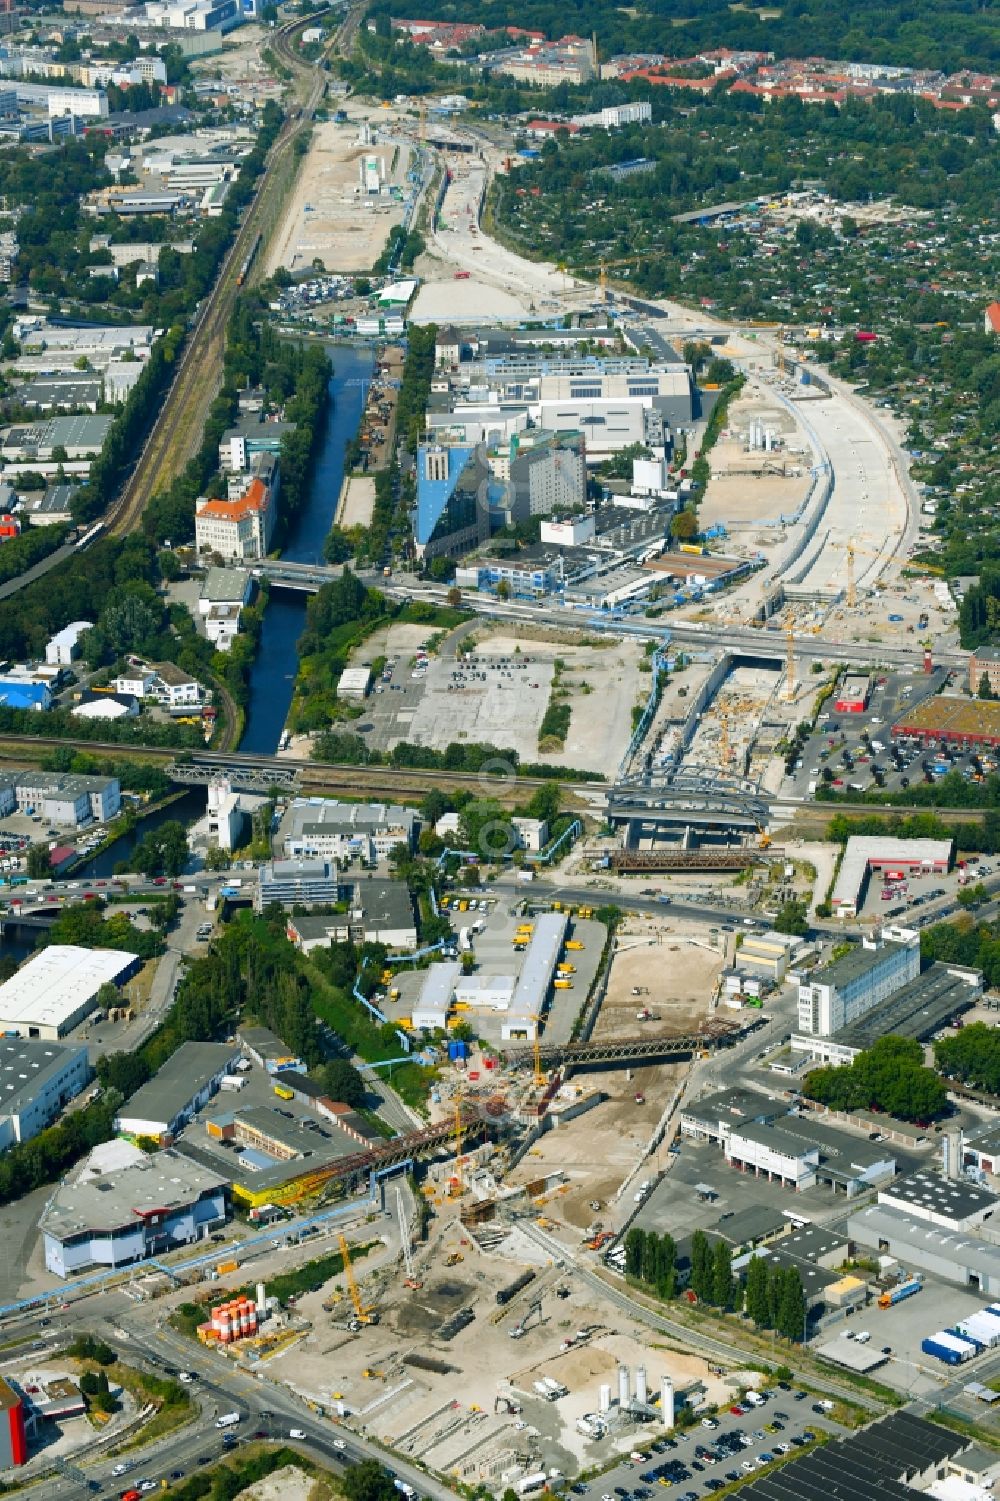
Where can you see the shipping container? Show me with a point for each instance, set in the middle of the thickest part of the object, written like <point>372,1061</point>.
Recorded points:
<point>899,1292</point>
<point>946,1347</point>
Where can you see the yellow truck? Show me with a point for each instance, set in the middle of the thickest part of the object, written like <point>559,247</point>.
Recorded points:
<point>574,944</point>
<point>566,969</point>
<point>562,984</point>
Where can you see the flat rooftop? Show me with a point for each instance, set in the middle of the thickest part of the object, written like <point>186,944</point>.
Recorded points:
<point>945,714</point>
<point>26,1066</point>
<point>163,1182</point>
<point>735,1105</point>
<point>178,1081</point>
<point>49,990</point>
<point>861,851</point>
<point>850,967</point>
<point>934,1194</point>
<point>918,1009</point>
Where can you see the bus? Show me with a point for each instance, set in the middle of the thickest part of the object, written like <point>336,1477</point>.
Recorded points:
<point>283,1092</point>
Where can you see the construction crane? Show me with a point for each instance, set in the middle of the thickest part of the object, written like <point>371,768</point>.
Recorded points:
<point>362,1315</point>
<point>852,549</point>
<point>779,359</point>
<point>606,266</point>
<point>521,1328</point>
<point>412,1280</point>
<point>459,1187</point>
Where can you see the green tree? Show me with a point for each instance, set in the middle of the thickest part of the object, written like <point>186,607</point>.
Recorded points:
<point>790,1311</point>
<point>701,1266</point>
<point>343,1082</point>
<point>367,1481</point>
<point>39,864</point>
<point>792,918</point>
<point>757,1301</point>
<point>722,1275</point>
<point>684,525</point>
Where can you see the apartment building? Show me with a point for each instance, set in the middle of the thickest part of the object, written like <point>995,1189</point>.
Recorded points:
<point>241,528</point>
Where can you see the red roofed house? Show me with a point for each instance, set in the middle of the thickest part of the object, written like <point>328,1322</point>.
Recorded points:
<point>540,130</point>
<point>241,528</point>
<point>991,319</point>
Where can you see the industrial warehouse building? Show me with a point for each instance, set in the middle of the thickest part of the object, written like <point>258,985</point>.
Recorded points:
<point>123,1217</point>
<point>185,1083</point>
<point>58,987</point>
<point>863,854</point>
<point>798,1152</point>
<point>949,1254</point>
<point>37,1080</point>
<point>949,1203</point>
<point>319,826</point>
<point>953,721</point>
<point>13,1441</point>
<point>852,695</point>
<point>894,1459</point>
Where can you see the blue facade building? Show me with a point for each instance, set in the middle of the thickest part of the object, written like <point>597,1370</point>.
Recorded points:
<point>127,1216</point>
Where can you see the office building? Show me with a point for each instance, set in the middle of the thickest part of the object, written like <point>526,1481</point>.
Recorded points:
<point>185,1083</point>
<point>37,1081</point>
<point>918,1009</point>
<point>151,1208</point>
<point>540,472</point>
<point>305,882</point>
<point>66,799</point>
<point>833,997</point>
<point>376,912</point>
<point>64,646</point>
<point>241,445</point>
<point>58,987</point>
<point>320,827</point>
<point>452,514</point>
<point>241,526</point>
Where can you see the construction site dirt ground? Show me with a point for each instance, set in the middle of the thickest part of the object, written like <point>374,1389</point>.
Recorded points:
<point>434,1400</point>
<point>675,973</point>
<point>737,495</point>
<point>599,1149</point>
<point>357,501</point>
<point>326,218</point>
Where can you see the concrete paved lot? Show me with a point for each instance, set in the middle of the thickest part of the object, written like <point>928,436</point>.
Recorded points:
<point>939,1306</point>
<point>675,1206</point>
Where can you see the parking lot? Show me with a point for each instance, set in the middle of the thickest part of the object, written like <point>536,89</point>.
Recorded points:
<point>718,1451</point>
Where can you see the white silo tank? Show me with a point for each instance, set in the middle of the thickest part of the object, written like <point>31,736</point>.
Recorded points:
<point>623,1386</point>
<point>641,1394</point>
<point>667,1402</point>
<point>261,1300</point>
<point>604,1400</point>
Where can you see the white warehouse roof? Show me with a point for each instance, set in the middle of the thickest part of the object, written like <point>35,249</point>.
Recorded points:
<point>862,850</point>
<point>57,988</point>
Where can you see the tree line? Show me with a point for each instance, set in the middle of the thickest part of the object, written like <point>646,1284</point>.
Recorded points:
<point>771,1295</point>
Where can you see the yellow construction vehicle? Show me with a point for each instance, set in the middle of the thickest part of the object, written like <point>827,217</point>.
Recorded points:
<point>362,1315</point>
<point>453,1258</point>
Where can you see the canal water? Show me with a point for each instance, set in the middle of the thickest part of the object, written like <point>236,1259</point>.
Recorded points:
<point>272,676</point>
<point>185,809</point>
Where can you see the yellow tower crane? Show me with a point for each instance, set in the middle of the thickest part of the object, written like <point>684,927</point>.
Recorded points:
<point>606,266</point>
<point>362,1315</point>
<point>459,1188</point>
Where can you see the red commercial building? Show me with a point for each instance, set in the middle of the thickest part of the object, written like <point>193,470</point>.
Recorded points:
<point>13,1444</point>
<point>852,695</point>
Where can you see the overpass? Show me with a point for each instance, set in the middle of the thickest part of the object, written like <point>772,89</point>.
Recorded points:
<point>688,800</point>
<point>623,1052</point>
<point>763,641</point>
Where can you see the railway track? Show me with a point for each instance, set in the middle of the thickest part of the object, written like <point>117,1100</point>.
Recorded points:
<point>178,429</point>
